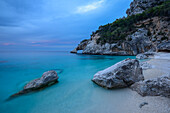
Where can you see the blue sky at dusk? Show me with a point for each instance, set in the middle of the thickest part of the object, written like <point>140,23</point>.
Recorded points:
<point>54,24</point>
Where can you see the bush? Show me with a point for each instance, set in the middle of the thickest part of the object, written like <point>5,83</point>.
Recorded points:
<point>119,29</point>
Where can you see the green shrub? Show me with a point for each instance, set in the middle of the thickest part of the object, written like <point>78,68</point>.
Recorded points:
<point>123,27</point>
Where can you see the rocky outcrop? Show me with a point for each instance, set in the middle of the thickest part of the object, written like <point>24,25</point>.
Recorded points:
<point>153,87</point>
<point>122,74</point>
<point>141,56</point>
<point>147,35</point>
<point>81,46</point>
<point>97,49</point>
<point>140,42</point>
<point>48,78</point>
<point>164,47</point>
<point>138,6</point>
<point>151,38</point>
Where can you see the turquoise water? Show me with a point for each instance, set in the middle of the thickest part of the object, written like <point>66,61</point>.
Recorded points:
<point>75,92</point>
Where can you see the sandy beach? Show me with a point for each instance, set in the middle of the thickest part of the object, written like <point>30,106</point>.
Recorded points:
<point>131,100</point>
<point>156,104</point>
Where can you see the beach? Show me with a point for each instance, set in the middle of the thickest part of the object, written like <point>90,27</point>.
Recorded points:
<point>156,104</point>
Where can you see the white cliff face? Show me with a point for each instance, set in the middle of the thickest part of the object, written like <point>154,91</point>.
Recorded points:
<point>94,48</point>
<point>150,35</point>
<point>138,6</point>
<point>140,43</point>
<point>95,37</point>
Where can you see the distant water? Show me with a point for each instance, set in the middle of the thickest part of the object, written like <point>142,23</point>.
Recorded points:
<point>75,92</point>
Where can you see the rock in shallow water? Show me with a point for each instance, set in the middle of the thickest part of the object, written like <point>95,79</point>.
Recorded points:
<point>141,56</point>
<point>48,78</point>
<point>153,87</point>
<point>122,74</point>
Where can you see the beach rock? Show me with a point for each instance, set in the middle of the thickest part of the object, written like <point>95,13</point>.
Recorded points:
<point>48,78</point>
<point>143,104</point>
<point>145,65</point>
<point>153,87</point>
<point>141,56</point>
<point>122,74</point>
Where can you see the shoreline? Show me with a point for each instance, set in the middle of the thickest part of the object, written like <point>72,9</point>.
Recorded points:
<point>156,104</point>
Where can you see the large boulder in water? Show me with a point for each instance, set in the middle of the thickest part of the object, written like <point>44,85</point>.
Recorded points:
<point>153,87</point>
<point>122,74</point>
<point>48,78</point>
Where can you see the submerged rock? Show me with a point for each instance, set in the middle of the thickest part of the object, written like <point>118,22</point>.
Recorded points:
<point>48,78</point>
<point>122,74</point>
<point>153,87</point>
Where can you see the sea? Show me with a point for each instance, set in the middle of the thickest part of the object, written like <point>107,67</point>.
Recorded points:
<point>74,93</point>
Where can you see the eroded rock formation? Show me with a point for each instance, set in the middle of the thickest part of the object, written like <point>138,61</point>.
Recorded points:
<point>153,87</point>
<point>122,74</point>
<point>148,35</point>
<point>48,78</point>
<point>139,6</point>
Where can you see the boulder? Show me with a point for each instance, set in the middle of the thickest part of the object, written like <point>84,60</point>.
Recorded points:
<point>145,65</point>
<point>141,56</point>
<point>48,78</point>
<point>153,87</point>
<point>122,74</point>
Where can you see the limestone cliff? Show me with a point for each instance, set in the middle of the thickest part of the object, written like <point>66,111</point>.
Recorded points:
<point>145,29</point>
<point>139,6</point>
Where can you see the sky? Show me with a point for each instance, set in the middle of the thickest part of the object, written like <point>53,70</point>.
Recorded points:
<point>54,25</point>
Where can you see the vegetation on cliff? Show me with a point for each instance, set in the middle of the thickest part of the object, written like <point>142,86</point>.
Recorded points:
<point>121,28</point>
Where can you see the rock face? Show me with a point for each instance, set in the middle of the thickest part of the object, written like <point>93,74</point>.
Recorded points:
<point>164,47</point>
<point>48,78</point>
<point>122,74</point>
<point>138,42</point>
<point>153,87</point>
<point>150,35</point>
<point>81,46</point>
<point>138,6</point>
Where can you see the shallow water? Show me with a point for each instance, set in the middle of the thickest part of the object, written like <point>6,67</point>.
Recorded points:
<point>75,92</point>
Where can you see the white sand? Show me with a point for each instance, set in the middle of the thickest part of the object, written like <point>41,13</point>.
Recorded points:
<point>128,101</point>
<point>156,104</point>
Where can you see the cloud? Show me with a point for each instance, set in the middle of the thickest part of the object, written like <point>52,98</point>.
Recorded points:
<point>89,7</point>
<point>8,44</point>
